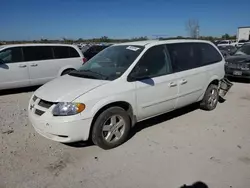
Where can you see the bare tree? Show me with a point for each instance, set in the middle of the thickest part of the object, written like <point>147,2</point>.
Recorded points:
<point>193,28</point>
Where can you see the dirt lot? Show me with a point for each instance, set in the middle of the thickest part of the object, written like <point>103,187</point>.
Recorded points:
<point>182,147</point>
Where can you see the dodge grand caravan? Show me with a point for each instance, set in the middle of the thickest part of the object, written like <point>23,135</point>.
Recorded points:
<point>24,65</point>
<point>124,84</point>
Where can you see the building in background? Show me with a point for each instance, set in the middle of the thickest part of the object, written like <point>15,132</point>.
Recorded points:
<point>243,33</point>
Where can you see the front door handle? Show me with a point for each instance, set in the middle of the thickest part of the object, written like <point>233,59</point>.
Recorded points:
<point>183,81</point>
<point>34,65</point>
<point>172,84</point>
<point>22,66</point>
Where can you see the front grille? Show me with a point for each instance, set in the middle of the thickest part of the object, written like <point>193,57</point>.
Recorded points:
<point>238,66</point>
<point>39,112</point>
<point>234,65</point>
<point>45,104</point>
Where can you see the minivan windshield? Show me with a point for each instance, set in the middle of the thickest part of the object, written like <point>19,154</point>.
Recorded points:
<point>110,63</point>
<point>243,50</point>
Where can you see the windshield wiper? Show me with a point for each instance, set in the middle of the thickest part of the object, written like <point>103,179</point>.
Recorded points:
<point>79,74</point>
<point>95,73</point>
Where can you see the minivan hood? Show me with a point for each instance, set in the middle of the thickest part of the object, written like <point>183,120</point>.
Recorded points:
<point>67,88</point>
<point>238,59</point>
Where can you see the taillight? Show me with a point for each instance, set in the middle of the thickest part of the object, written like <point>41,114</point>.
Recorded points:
<point>84,60</point>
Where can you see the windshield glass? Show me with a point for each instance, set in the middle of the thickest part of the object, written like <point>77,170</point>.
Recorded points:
<point>244,50</point>
<point>110,63</point>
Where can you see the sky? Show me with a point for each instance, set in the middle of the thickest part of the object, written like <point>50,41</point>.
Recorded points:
<point>55,19</point>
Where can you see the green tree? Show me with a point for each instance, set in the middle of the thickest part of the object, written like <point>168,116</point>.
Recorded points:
<point>226,36</point>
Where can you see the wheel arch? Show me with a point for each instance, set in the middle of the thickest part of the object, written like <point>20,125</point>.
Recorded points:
<point>64,69</point>
<point>122,104</point>
<point>214,80</point>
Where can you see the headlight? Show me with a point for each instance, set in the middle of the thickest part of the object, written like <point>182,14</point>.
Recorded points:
<point>68,109</point>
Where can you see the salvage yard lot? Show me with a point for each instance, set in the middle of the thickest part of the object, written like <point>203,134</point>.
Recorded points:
<point>179,148</point>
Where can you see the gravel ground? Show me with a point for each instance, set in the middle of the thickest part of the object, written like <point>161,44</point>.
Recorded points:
<point>179,148</point>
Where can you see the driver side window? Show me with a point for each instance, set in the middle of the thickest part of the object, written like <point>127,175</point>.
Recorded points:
<point>156,61</point>
<point>11,55</point>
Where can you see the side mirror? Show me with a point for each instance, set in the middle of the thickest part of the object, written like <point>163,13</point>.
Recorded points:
<point>139,73</point>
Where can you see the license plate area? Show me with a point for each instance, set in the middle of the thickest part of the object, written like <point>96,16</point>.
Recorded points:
<point>237,73</point>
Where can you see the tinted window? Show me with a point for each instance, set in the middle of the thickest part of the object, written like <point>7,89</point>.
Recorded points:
<point>61,52</point>
<point>37,53</point>
<point>184,56</point>
<point>209,54</point>
<point>73,52</point>
<point>244,50</point>
<point>156,60</point>
<point>11,55</point>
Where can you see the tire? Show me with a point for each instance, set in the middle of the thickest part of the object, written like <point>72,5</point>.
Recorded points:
<point>210,99</point>
<point>67,71</point>
<point>109,125</point>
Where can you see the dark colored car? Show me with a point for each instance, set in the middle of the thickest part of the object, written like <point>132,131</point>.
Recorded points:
<point>238,65</point>
<point>227,50</point>
<point>93,50</point>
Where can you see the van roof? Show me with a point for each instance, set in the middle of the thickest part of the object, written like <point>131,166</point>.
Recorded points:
<point>36,44</point>
<point>150,43</point>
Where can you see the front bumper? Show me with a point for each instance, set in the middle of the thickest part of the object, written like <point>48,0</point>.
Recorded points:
<point>65,132</point>
<point>65,129</point>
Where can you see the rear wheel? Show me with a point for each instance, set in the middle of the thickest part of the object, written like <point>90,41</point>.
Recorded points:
<point>210,99</point>
<point>111,128</point>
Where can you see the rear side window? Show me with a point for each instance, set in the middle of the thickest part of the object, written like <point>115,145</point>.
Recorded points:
<point>37,53</point>
<point>61,52</point>
<point>183,56</point>
<point>209,54</point>
<point>73,52</point>
<point>11,55</point>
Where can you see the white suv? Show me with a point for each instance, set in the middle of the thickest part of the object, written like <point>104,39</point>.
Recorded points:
<point>24,65</point>
<point>124,84</point>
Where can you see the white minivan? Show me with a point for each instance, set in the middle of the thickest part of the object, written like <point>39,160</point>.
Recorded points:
<point>23,65</point>
<point>124,84</point>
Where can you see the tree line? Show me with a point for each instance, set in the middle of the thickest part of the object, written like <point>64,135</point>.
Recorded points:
<point>106,39</point>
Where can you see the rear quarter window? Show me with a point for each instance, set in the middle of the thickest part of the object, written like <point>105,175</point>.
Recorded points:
<point>209,54</point>
<point>73,52</point>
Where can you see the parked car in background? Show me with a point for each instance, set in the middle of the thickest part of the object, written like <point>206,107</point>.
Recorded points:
<point>85,48</point>
<point>241,42</point>
<point>93,50</point>
<point>227,50</point>
<point>124,84</point>
<point>238,65</point>
<point>23,65</point>
<point>225,43</point>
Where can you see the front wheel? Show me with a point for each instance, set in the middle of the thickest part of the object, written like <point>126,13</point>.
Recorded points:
<point>210,99</point>
<point>111,128</point>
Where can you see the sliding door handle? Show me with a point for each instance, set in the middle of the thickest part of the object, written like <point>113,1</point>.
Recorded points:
<point>22,66</point>
<point>172,84</point>
<point>183,81</point>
